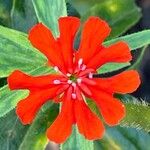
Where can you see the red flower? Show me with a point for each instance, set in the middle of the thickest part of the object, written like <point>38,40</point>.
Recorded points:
<point>74,80</point>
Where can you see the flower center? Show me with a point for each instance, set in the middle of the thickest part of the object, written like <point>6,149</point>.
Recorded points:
<point>73,78</point>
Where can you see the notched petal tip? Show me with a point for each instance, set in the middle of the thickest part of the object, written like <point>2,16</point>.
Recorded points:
<point>61,128</point>
<point>116,120</point>
<point>95,31</point>
<point>53,137</point>
<point>95,19</point>
<point>69,18</point>
<point>125,50</point>
<point>35,27</point>
<point>112,109</point>
<point>23,113</point>
<point>88,123</point>
<point>13,78</point>
<point>136,80</point>
<point>126,82</point>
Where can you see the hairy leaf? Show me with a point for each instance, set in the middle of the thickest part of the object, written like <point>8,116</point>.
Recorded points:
<point>119,138</point>
<point>137,113</point>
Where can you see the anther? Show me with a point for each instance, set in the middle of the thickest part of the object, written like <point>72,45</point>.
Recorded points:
<point>83,67</point>
<point>69,81</point>
<point>79,80</point>
<point>90,75</point>
<point>56,82</point>
<point>74,85</point>
<point>74,96</point>
<point>56,68</point>
<point>68,74</point>
<point>80,61</point>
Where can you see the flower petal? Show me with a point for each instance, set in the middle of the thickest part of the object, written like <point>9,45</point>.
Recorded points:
<point>88,123</point>
<point>28,107</point>
<point>125,82</point>
<point>20,80</point>
<point>118,52</point>
<point>112,109</point>
<point>94,33</point>
<point>61,128</point>
<point>68,27</point>
<point>42,38</point>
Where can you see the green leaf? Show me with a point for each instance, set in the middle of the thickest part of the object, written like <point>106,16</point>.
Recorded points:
<point>12,132</point>
<point>5,7</point>
<point>15,136</point>
<point>118,138</point>
<point>82,6</point>
<point>23,16</point>
<point>76,141</point>
<point>35,137</point>
<point>110,67</point>
<point>71,11</point>
<point>110,11</point>
<point>137,113</point>
<point>138,62</point>
<point>9,99</point>
<point>16,52</point>
<point>48,12</point>
<point>135,41</point>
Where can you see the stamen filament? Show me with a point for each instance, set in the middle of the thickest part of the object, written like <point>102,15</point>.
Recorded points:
<point>89,81</point>
<point>85,72</point>
<point>85,89</point>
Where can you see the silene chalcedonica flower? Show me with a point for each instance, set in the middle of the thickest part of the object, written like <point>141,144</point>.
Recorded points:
<point>74,79</point>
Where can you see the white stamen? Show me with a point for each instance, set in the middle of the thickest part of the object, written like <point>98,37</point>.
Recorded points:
<point>83,67</point>
<point>74,85</point>
<point>90,75</point>
<point>56,68</point>
<point>68,74</point>
<point>79,80</point>
<point>73,95</point>
<point>56,82</point>
<point>80,61</point>
<point>69,81</point>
